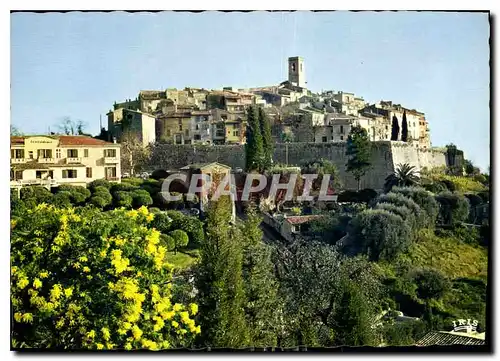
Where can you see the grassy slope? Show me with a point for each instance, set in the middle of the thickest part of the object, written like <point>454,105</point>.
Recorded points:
<point>182,260</point>
<point>452,257</point>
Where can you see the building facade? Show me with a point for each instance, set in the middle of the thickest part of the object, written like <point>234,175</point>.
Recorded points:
<point>55,160</point>
<point>133,122</point>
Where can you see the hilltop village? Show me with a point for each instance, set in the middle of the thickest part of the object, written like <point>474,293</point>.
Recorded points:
<point>216,117</point>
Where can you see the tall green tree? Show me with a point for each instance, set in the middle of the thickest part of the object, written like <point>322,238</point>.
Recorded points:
<point>395,128</point>
<point>254,148</point>
<point>353,318</point>
<point>358,153</point>
<point>219,281</point>
<point>263,308</point>
<point>267,139</point>
<point>404,128</point>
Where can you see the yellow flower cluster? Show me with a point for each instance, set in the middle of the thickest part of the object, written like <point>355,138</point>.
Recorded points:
<point>144,314</point>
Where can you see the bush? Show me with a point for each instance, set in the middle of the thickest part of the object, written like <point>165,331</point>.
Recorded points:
<point>134,181</point>
<point>99,183</point>
<point>122,187</point>
<point>424,200</point>
<point>99,202</point>
<point>17,207</point>
<point>380,234</point>
<point>191,225</point>
<point>62,199</point>
<point>103,193</point>
<point>71,290</point>
<point>402,201</point>
<point>431,284</point>
<point>454,208</point>
<point>167,241</point>
<point>181,239</point>
<point>123,199</point>
<point>78,194</point>
<point>162,222</point>
<point>403,212</point>
<point>154,210</point>
<point>449,185</point>
<point>33,195</point>
<point>141,198</point>
<point>348,196</point>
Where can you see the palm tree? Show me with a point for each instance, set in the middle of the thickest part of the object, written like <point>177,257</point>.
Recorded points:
<point>404,176</point>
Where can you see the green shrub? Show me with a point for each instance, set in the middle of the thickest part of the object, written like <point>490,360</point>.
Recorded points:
<point>181,239</point>
<point>99,201</point>
<point>141,198</point>
<point>103,193</point>
<point>62,199</point>
<point>424,200</point>
<point>123,187</point>
<point>189,224</point>
<point>154,210</point>
<point>99,183</point>
<point>33,195</point>
<point>167,241</point>
<point>78,194</point>
<point>123,199</point>
<point>431,284</point>
<point>134,181</point>
<point>159,174</point>
<point>403,212</point>
<point>162,222</point>
<point>400,200</point>
<point>454,208</point>
<point>380,234</point>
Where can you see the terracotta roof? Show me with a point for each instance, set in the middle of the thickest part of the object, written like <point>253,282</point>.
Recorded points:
<point>446,338</point>
<point>301,219</point>
<point>66,140</point>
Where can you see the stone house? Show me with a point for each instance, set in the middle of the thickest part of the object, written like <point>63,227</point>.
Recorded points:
<point>140,125</point>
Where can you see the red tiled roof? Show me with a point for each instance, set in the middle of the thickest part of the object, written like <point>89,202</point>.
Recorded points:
<point>65,140</point>
<point>301,219</point>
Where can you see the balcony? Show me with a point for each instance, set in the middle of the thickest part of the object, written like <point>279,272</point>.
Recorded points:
<point>17,160</point>
<point>38,181</point>
<point>112,179</point>
<point>73,160</point>
<point>46,160</point>
<point>111,160</point>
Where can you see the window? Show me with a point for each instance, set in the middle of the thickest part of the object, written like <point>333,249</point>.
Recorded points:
<point>180,127</point>
<point>51,174</point>
<point>69,173</point>
<point>17,153</point>
<point>18,175</point>
<point>386,127</point>
<point>236,133</point>
<point>58,153</point>
<point>197,137</point>
<point>341,137</point>
<point>187,132</point>
<point>197,127</point>
<point>110,172</point>
<point>88,172</point>
<point>341,129</point>
<point>169,133</point>
<point>30,154</point>
<point>86,153</point>
<point>44,153</point>
<point>324,139</point>
<point>72,153</point>
<point>293,67</point>
<point>111,153</point>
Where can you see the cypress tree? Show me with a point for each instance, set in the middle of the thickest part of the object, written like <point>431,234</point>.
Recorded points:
<point>352,319</point>
<point>395,128</point>
<point>267,140</point>
<point>221,294</point>
<point>404,128</point>
<point>358,152</point>
<point>254,148</point>
<point>263,305</point>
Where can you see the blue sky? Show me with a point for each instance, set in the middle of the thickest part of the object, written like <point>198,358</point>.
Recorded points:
<point>78,64</point>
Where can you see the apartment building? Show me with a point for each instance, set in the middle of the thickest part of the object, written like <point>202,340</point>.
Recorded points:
<point>54,160</point>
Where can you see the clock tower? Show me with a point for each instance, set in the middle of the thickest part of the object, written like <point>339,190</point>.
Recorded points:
<point>296,71</point>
